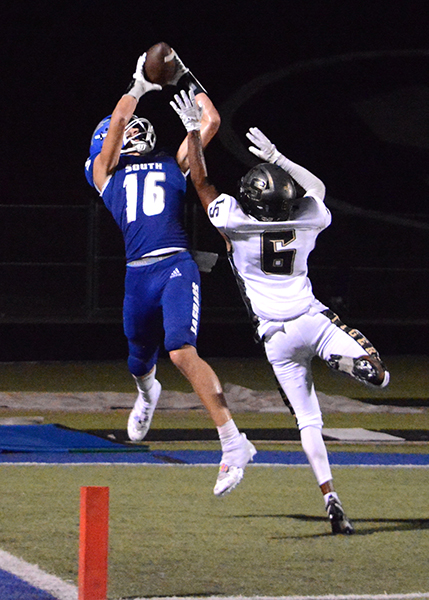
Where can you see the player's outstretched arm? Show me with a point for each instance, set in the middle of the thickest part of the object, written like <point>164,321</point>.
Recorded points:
<point>190,112</point>
<point>107,160</point>
<point>210,123</point>
<point>184,79</point>
<point>264,149</point>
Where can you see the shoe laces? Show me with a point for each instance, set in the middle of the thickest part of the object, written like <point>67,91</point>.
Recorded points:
<point>334,508</point>
<point>223,469</point>
<point>142,420</point>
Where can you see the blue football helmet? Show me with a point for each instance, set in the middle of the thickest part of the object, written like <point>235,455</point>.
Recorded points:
<point>142,142</point>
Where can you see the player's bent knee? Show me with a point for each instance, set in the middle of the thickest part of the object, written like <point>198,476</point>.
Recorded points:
<point>309,421</point>
<point>140,367</point>
<point>182,356</point>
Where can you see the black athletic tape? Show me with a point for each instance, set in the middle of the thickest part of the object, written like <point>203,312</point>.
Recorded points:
<point>188,81</point>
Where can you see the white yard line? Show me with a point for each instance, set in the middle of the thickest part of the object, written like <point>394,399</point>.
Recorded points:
<point>33,575</point>
<point>211,465</point>
<point>415,596</point>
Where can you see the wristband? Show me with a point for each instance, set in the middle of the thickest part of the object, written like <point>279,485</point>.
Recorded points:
<point>189,81</point>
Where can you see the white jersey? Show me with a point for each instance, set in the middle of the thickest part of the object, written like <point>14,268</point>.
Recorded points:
<point>271,257</point>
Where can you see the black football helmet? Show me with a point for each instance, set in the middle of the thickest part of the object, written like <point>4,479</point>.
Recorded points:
<point>267,193</point>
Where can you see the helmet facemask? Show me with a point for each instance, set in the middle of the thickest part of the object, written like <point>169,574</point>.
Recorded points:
<point>267,193</point>
<point>141,142</point>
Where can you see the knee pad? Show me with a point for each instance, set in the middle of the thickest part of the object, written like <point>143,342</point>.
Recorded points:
<point>311,420</point>
<point>140,362</point>
<point>366,369</point>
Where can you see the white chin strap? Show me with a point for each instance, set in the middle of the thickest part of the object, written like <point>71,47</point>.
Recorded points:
<point>139,147</point>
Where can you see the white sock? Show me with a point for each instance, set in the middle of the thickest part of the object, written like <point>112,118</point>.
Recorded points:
<point>230,437</point>
<point>315,449</point>
<point>145,382</point>
<point>329,495</point>
<point>148,393</point>
<point>346,364</point>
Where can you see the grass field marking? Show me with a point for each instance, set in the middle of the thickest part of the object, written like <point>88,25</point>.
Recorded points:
<point>415,596</point>
<point>33,575</point>
<point>211,465</point>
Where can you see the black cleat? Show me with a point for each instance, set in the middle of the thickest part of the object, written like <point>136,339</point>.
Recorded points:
<point>369,370</point>
<point>337,517</point>
<point>366,369</point>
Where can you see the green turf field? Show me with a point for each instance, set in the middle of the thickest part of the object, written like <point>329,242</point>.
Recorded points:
<point>409,381</point>
<point>170,536</point>
<point>409,377</point>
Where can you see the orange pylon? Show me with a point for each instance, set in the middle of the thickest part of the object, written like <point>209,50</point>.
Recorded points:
<point>93,543</point>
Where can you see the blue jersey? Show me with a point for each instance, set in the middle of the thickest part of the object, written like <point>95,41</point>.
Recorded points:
<point>145,196</point>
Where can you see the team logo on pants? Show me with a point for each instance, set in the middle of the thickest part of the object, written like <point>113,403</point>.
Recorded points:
<point>195,307</point>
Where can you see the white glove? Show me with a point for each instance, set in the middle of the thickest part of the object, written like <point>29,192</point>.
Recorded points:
<point>180,70</point>
<point>188,82</point>
<point>139,84</point>
<point>188,110</point>
<point>264,149</point>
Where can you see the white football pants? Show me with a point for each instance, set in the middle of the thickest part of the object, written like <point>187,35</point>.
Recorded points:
<point>290,347</point>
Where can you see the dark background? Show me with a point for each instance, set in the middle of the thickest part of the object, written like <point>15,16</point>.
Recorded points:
<point>340,87</point>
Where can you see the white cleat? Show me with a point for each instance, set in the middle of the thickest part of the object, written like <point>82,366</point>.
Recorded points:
<point>230,475</point>
<point>227,480</point>
<point>140,420</point>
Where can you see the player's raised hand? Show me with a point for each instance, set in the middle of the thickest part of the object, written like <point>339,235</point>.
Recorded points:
<point>180,70</point>
<point>189,111</point>
<point>139,84</point>
<point>184,78</point>
<point>263,148</point>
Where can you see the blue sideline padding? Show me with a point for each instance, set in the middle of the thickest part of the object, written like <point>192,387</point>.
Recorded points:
<point>212,458</point>
<point>298,458</point>
<point>54,438</point>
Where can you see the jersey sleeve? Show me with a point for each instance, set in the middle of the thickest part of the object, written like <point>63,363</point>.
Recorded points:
<point>218,211</point>
<point>311,213</point>
<point>89,166</point>
<point>89,171</point>
<point>312,185</point>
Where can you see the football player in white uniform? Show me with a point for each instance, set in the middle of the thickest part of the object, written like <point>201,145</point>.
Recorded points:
<point>269,233</point>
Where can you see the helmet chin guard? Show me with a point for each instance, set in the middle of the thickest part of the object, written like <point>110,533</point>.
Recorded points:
<point>267,193</point>
<point>142,142</point>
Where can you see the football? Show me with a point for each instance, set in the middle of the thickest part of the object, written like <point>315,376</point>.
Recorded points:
<point>160,65</point>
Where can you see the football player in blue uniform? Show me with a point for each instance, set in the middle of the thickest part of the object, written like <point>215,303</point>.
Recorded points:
<point>270,233</point>
<point>144,190</point>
